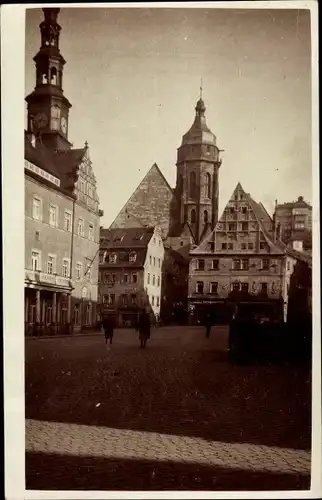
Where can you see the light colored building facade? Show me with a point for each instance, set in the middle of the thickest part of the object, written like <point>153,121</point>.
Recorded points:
<point>295,219</point>
<point>130,272</point>
<point>242,254</point>
<point>62,217</point>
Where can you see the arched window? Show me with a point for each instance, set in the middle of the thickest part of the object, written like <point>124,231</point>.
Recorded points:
<point>205,216</point>
<point>193,217</point>
<point>192,186</point>
<point>53,76</point>
<point>207,189</point>
<point>44,78</point>
<point>180,183</point>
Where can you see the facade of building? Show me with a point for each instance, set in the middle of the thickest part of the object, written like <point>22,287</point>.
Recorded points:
<point>130,272</point>
<point>244,253</point>
<point>295,219</point>
<point>62,216</point>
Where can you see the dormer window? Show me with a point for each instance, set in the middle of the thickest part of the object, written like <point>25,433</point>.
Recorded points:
<point>112,258</point>
<point>132,257</point>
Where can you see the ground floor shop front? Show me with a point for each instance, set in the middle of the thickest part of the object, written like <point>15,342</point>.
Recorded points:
<point>51,311</point>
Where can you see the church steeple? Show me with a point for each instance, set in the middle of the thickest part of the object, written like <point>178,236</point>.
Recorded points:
<point>48,108</point>
<point>197,177</point>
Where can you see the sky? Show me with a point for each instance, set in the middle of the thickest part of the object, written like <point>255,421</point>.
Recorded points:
<point>133,77</point>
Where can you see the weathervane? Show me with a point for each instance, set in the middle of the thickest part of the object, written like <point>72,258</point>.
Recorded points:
<point>201,88</point>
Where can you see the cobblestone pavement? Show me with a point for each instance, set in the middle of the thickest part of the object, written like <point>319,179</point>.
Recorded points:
<point>174,416</point>
<point>82,440</point>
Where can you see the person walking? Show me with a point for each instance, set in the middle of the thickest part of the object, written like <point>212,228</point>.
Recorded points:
<point>208,325</point>
<point>108,325</point>
<point>144,328</point>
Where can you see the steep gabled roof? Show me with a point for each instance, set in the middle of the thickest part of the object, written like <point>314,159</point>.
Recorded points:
<point>262,218</point>
<point>125,238</point>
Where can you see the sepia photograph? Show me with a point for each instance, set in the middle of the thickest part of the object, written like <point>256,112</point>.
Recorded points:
<point>169,232</point>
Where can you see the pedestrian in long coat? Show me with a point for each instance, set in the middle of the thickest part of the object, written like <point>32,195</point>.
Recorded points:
<point>108,325</point>
<point>144,328</point>
<point>208,325</point>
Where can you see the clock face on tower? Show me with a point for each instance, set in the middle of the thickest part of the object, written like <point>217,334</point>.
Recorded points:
<point>63,125</point>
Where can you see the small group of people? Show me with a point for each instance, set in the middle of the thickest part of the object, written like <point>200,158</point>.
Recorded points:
<point>143,326</point>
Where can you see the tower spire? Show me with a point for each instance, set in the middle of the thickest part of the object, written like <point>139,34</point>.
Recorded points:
<point>201,88</point>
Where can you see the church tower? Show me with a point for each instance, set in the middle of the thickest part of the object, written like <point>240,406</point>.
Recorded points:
<point>196,192</point>
<point>48,108</point>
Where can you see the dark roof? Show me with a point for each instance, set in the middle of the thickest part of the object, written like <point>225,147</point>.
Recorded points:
<point>125,238</point>
<point>299,203</point>
<point>61,164</point>
<point>176,256</point>
<point>40,156</point>
<point>122,260</point>
<point>302,256</point>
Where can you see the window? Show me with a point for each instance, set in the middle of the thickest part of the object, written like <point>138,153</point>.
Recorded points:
<point>55,117</point>
<point>214,287</point>
<point>107,278</point>
<point>51,264</point>
<point>111,258</point>
<point>158,280</point>
<point>244,287</point>
<point>192,185</point>
<point>68,221</point>
<point>264,287</point>
<point>154,261</point>
<point>201,264</point>
<point>230,246</point>
<point>152,300</point>
<point>78,270</point>
<point>52,215</point>
<point>237,264</point>
<point>215,264</point>
<point>288,265</point>
<point>205,216</point>
<point>153,280</point>
<point>212,246</point>
<point>224,246</point>
<point>35,261</point>
<point>193,216</point>
<point>232,227</point>
<point>134,278</point>
<point>88,314</point>
<point>262,245</point>
<point>265,264</point>
<point>199,288</point>
<point>244,226</point>
<point>132,257</point>
<point>88,268</point>
<point>66,268</point>
<point>90,231</point>
<point>159,262</point>
<point>101,257</point>
<point>245,264</point>
<point>113,278</point>
<point>99,277</point>
<point>207,191</point>
<point>133,299</point>
<point>36,208</point>
<point>150,260</point>
<point>250,246</point>
<point>126,278</point>
<point>124,300</point>
<point>82,185</point>
<point>109,299</point>
<point>235,286</point>
<point>80,227</point>
<point>158,301</point>
<point>244,210</point>
<point>243,246</point>
<point>148,278</point>
<point>37,234</point>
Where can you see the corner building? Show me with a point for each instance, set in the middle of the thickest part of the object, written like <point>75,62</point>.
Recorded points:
<point>62,216</point>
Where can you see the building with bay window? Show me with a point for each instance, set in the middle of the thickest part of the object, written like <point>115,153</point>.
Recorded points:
<point>62,216</point>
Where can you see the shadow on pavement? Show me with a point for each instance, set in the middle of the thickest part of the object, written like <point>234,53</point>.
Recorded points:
<point>184,389</point>
<point>60,472</point>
